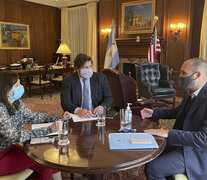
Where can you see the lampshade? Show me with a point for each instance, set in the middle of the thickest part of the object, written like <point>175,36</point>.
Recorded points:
<point>63,49</point>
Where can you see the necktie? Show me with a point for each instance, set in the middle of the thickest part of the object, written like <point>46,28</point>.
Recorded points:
<point>85,95</point>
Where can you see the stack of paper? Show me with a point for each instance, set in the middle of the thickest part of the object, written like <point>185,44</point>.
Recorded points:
<point>76,118</point>
<point>132,141</point>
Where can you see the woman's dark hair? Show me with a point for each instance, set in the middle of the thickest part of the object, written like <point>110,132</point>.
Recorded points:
<point>80,60</point>
<point>7,80</point>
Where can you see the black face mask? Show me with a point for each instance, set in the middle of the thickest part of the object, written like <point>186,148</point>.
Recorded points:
<point>184,82</point>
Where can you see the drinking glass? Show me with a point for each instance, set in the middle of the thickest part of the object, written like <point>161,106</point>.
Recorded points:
<point>123,121</point>
<point>101,118</point>
<point>63,154</point>
<point>63,134</point>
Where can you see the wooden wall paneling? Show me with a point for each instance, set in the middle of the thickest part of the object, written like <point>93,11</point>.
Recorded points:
<point>177,13</point>
<point>26,18</point>
<point>44,23</point>
<point>37,32</point>
<point>2,12</point>
<point>197,16</point>
<point>49,34</point>
<point>3,54</point>
<point>13,11</point>
<point>106,14</point>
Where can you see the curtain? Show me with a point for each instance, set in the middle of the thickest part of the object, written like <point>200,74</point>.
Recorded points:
<point>64,26</point>
<point>78,25</point>
<point>203,38</point>
<point>92,34</point>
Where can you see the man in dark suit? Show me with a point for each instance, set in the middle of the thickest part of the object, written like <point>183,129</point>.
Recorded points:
<point>85,92</point>
<point>186,150</point>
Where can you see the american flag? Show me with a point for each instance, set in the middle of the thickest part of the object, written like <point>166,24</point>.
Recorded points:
<point>154,48</point>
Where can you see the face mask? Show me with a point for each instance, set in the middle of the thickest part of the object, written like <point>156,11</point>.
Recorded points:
<point>184,82</point>
<point>18,92</point>
<point>86,73</point>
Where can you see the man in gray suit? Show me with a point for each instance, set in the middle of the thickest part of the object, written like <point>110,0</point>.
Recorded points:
<point>85,92</point>
<point>186,150</point>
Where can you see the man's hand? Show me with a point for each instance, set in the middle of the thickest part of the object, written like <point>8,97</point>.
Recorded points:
<point>158,132</point>
<point>146,113</point>
<point>66,115</point>
<point>98,110</point>
<point>84,113</point>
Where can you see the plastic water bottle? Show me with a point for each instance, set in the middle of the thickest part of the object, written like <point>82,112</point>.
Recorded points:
<point>128,116</point>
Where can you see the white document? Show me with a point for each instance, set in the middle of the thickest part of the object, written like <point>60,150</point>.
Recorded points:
<point>76,118</point>
<point>41,125</point>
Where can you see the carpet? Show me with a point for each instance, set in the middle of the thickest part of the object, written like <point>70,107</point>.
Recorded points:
<point>51,105</point>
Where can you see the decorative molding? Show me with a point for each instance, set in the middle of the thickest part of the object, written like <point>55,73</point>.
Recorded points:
<point>75,3</point>
<point>53,3</point>
<point>62,3</point>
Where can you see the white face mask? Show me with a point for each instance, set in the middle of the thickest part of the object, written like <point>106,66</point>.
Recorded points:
<point>86,73</point>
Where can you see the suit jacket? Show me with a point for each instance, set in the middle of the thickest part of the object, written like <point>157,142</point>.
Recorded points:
<point>71,94</point>
<point>190,132</point>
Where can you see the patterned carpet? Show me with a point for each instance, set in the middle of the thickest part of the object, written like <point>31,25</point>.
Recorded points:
<point>51,105</point>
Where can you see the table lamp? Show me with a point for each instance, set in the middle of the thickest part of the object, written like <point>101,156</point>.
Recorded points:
<point>64,50</point>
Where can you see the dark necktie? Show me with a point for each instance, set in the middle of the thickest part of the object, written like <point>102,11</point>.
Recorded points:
<point>85,95</point>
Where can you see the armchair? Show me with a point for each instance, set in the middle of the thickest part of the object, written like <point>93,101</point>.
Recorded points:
<point>123,89</point>
<point>153,81</point>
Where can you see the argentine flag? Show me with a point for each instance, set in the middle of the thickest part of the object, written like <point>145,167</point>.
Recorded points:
<point>112,55</point>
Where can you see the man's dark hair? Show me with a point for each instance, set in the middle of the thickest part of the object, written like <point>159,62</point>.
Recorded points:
<point>7,80</point>
<point>80,60</point>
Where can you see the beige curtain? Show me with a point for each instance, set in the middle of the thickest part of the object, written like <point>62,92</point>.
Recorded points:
<point>92,34</point>
<point>64,26</point>
<point>203,39</point>
<point>78,25</point>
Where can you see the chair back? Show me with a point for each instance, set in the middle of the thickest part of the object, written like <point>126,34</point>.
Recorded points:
<point>45,73</point>
<point>68,70</point>
<point>123,88</point>
<point>150,74</point>
<point>115,86</point>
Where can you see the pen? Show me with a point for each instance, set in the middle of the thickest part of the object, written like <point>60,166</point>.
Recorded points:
<point>127,130</point>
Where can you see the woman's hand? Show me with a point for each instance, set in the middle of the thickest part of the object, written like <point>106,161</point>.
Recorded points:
<point>56,126</point>
<point>66,115</point>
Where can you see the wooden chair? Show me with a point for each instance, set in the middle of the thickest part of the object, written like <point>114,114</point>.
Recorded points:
<point>44,80</point>
<point>67,71</point>
<point>22,175</point>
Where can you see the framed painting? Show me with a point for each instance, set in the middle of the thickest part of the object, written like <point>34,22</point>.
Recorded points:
<point>14,36</point>
<point>137,17</point>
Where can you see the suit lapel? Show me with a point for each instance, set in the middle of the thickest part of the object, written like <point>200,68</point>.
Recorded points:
<point>77,88</point>
<point>93,86</point>
<point>201,96</point>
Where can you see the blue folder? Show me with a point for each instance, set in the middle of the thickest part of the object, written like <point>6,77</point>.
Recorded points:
<point>122,141</point>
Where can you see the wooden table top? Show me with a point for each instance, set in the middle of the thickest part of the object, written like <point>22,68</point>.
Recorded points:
<point>88,151</point>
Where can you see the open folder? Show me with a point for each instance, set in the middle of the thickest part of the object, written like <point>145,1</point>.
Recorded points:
<point>132,141</point>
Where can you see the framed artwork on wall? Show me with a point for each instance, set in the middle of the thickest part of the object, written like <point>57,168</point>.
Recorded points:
<point>137,17</point>
<point>14,36</point>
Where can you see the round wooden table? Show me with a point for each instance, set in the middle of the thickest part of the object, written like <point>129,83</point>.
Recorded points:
<point>88,151</point>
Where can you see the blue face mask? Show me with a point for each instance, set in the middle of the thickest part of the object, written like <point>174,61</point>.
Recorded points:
<point>18,93</point>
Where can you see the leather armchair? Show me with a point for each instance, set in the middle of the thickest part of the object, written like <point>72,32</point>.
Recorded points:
<point>153,81</point>
<point>123,89</point>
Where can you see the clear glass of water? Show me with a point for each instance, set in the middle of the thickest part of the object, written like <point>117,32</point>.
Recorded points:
<point>63,134</point>
<point>101,118</point>
<point>123,121</point>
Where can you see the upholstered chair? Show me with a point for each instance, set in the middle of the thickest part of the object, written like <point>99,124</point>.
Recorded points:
<point>153,81</point>
<point>123,89</point>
